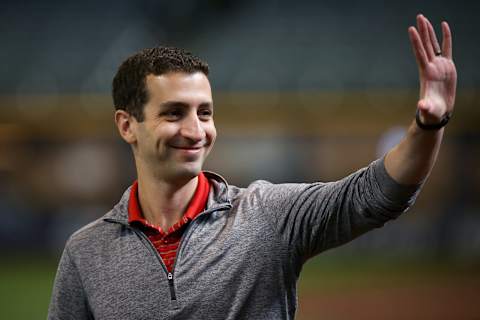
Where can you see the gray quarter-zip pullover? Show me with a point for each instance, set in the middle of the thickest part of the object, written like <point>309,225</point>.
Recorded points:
<point>239,259</point>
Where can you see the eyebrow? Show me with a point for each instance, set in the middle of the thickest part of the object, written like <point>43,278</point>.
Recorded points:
<point>180,104</point>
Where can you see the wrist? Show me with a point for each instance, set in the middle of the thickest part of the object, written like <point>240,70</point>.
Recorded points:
<point>436,126</point>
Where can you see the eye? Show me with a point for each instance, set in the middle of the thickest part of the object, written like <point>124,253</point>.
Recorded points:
<point>172,114</point>
<point>205,114</point>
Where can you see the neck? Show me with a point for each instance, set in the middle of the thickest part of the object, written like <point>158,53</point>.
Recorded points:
<point>162,202</point>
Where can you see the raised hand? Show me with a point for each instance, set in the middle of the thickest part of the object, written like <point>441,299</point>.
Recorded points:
<point>438,76</point>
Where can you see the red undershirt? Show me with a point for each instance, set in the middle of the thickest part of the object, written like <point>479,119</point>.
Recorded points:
<point>167,243</point>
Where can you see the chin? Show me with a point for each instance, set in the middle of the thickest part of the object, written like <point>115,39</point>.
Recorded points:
<point>189,171</point>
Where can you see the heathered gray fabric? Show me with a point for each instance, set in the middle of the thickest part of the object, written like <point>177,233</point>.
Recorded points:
<point>240,259</point>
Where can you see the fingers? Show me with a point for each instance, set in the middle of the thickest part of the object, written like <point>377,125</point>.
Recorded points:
<point>433,38</point>
<point>422,26</point>
<point>447,41</point>
<point>425,43</point>
<point>417,47</point>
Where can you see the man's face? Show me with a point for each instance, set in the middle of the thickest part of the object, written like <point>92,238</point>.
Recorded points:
<point>178,131</point>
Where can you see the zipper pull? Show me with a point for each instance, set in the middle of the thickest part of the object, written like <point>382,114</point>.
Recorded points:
<point>170,284</point>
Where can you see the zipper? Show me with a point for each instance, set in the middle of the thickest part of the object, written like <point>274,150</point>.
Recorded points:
<point>149,245</point>
<point>190,227</point>
<point>170,284</point>
<point>154,251</point>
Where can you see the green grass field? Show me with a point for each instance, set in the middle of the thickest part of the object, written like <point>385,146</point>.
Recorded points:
<point>325,283</point>
<point>25,287</point>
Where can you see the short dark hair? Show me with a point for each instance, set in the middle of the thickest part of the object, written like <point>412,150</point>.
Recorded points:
<point>128,88</point>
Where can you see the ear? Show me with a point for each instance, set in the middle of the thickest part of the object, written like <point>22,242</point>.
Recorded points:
<point>126,126</point>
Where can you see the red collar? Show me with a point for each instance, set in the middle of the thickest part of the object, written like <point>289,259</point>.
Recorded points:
<point>196,205</point>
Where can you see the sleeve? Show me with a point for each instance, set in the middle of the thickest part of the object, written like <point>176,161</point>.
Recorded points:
<point>68,299</point>
<point>312,218</point>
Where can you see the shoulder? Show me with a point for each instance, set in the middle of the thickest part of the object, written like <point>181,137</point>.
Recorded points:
<point>92,235</point>
<point>274,195</point>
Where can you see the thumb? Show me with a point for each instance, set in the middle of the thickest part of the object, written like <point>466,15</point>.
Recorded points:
<point>423,107</point>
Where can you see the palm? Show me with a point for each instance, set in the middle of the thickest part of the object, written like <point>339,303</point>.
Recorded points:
<point>438,76</point>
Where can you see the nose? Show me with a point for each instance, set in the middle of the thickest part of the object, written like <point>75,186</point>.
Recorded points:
<point>192,128</point>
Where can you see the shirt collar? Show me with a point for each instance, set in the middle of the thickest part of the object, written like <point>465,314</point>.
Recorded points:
<point>196,205</point>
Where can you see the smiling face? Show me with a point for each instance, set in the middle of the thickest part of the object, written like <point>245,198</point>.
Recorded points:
<point>178,132</point>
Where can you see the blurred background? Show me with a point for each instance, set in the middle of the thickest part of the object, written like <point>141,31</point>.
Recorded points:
<point>304,91</point>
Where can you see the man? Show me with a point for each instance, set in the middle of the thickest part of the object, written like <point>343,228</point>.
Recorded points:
<point>183,244</point>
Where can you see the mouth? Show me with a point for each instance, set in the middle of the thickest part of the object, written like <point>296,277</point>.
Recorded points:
<point>189,152</point>
<point>187,148</point>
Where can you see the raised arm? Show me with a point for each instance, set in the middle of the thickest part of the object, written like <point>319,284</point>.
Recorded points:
<point>411,161</point>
